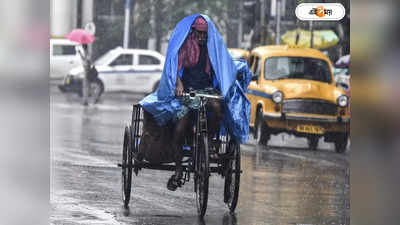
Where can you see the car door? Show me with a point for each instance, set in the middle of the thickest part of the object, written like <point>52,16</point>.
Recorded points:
<point>254,86</point>
<point>63,57</point>
<point>115,75</point>
<point>147,71</point>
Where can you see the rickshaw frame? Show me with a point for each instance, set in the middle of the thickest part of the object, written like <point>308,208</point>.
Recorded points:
<point>197,159</point>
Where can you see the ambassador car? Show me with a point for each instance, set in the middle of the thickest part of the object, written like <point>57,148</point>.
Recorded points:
<point>134,70</point>
<point>293,90</point>
<point>63,57</point>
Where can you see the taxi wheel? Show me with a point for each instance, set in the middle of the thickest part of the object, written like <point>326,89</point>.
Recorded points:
<point>261,134</point>
<point>313,143</point>
<point>96,88</point>
<point>341,143</point>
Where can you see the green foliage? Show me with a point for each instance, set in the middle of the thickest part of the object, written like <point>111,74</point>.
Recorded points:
<point>169,13</point>
<point>142,27</point>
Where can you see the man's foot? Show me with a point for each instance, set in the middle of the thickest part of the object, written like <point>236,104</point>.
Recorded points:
<point>173,183</point>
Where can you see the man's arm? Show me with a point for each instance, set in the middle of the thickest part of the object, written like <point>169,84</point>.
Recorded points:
<point>179,86</point>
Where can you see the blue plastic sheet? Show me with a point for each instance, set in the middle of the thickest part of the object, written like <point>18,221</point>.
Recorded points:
<point>237,108</point>
<point>163,104</point>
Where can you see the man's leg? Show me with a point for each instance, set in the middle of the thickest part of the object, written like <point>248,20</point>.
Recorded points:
<point>178,141</point>
<point>214,107</point>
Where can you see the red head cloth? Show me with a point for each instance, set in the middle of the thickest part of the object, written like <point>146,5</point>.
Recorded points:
<point>200,24</point>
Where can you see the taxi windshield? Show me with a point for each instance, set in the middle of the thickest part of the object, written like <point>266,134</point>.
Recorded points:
<point>277,68</point>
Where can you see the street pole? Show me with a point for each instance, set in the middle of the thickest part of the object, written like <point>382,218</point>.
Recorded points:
<point>240,26</point>
<point>278,22</point>
<point>262,22</point>
<point>126,27</point>
<point>87,17</point>
<point>312,34</point>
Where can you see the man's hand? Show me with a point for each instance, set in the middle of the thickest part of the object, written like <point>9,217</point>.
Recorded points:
<point>179,87</point>
<point>179,90</point>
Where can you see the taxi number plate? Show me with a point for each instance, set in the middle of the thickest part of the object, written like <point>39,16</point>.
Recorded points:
<point>310,129</point>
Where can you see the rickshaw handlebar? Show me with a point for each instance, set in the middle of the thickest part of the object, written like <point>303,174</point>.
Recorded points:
<point>194,94</point>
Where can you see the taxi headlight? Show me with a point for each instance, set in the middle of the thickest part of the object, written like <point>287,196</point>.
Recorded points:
<point>342,101</point>
<point>277,97</point>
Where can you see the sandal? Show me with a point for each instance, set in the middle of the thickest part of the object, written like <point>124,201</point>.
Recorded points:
<point>173,183</point>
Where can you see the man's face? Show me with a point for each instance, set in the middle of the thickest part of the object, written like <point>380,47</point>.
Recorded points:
<point>201,37</point>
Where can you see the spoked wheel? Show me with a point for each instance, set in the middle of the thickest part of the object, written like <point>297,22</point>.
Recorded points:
<point>232,176</point>
<point>127,167</point>
<point>202,176</point>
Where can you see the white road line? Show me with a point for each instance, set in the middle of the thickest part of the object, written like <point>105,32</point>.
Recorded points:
<point>79,159</point>
<point>66,204</point>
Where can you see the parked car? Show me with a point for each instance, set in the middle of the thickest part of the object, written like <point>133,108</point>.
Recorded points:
<point>63,57</point>
<point>342,72</point>
<point>342,78</point>
<point>134,70</point>
<point>293,90</point>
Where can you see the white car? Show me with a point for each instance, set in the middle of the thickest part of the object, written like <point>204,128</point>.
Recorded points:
<point>133,70</point>
<point>342,78</point>
<point>63,57</point>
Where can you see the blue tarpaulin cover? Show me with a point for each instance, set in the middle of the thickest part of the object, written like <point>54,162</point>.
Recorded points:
<point>163,104</point>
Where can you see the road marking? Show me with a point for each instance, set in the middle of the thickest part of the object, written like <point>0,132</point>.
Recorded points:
<point>66,204</point>
<point>75,157</point>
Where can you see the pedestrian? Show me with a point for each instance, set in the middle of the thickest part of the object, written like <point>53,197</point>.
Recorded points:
<point>84,54</point>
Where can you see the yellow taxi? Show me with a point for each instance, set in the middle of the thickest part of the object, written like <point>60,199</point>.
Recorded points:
<point>293,90</point>
<point>238,53</point>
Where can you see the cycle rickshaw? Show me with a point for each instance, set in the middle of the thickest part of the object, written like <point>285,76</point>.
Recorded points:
<point>196,161</point>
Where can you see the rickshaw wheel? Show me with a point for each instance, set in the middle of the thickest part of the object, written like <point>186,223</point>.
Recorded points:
<point>127,167</point>
<point>202,176</point>
<point>232,178</point>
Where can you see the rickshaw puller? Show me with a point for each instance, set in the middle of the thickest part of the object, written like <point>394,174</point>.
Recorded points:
<point>197,76</point>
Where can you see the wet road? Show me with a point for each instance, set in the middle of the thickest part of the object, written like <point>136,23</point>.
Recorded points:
<point>281,184</point>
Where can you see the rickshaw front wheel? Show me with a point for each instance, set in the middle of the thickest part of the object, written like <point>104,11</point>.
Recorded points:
<point>202,175</point>
<point>126,167</point>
